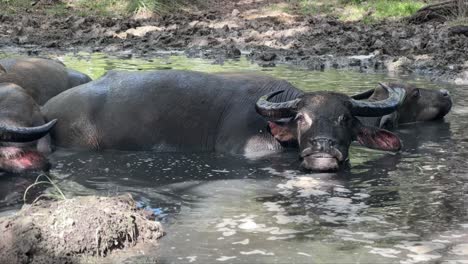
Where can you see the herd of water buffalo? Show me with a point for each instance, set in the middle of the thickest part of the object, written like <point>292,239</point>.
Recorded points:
<point>42,103</point>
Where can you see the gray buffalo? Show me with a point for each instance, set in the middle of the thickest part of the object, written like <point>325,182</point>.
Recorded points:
<point>420,104</point>
<point>26,83</point>
<point>234,113</point>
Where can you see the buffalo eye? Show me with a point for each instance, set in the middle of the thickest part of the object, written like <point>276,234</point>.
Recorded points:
<point>342,120</point>
<point>415,93</point>
<point>299,118</point>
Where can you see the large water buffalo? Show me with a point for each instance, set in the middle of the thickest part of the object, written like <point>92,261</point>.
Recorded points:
<point>420,104</point>
<point>235,113</point>
<point>26,83</point>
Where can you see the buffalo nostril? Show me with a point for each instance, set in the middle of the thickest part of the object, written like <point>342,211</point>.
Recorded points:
<point>444,92</point>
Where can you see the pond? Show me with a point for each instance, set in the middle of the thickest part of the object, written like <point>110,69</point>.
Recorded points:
<point>407,207</point>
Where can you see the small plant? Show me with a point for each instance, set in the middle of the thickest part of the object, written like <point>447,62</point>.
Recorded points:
<point>364,10</point>
<point>56,194</point>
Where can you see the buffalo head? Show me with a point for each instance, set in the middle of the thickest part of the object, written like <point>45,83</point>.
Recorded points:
<point>22,131</point>
<point>420,104</point>
<point>324,124</point>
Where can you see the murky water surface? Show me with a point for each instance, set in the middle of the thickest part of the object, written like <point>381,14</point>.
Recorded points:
<point>388,208</point>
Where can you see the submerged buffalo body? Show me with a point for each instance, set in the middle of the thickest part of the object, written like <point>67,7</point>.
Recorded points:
<point>24,85</point>
<point>235,113</point>
<point>420,104</point>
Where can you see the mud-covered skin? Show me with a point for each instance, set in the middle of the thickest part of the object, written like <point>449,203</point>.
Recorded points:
<point>19,109</point>
<point>180,111</point>
<point>420,104</point>
<point>41,78</point>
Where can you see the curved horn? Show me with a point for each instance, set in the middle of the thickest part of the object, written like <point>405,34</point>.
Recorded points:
<point>25,134</point>
<point>379,108</point>
<point>276,110</point>
<point>363,95</point>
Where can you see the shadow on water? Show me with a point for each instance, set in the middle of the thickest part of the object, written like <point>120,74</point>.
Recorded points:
<point>394,208</point>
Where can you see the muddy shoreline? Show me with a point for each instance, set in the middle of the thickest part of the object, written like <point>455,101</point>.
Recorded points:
<point>266,37</point>
<point>83,229</point>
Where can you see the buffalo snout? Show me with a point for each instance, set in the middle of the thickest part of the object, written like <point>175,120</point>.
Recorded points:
<point>321,155</point>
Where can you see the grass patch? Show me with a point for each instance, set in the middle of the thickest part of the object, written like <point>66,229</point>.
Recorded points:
<point>395,9</point>
<point>12,6</point>
<point>107,8</point>
<point>353,10</point>
<point>319,7</point>
<point>123,7</point>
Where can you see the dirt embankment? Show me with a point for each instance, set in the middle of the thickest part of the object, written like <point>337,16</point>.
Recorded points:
<point>76,230</point>
<point>266,36</point>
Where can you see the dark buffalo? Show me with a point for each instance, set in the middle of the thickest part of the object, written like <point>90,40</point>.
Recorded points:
<point>22,131</point>
<point>41,78</point>
<point>24,85</point>
<point>420,104</point>
<point>191,111</point>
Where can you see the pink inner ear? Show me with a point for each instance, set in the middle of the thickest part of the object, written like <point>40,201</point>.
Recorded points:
<point>281,133</point>
<point>379,139</point>
<point>272,125</point>
<point>274,128</point>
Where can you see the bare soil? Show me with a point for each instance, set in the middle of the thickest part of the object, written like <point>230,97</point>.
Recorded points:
<point>79,230</point>
<point>268,36</point>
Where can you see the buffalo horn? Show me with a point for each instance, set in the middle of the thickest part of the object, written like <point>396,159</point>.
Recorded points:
<point>379,108</point>
<point>275,111</point>
<point>25,134</point>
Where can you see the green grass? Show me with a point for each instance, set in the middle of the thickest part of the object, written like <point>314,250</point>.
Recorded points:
<point>108,8</point>
<point>124,7</point>
<point>352,10</point>
<point>394,9</point>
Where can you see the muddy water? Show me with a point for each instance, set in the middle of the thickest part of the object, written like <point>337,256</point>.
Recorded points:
<point>408,207</point>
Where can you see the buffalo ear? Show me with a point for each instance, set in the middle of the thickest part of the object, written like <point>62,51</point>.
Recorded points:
<point>377,138</point>
<point>283,132</point>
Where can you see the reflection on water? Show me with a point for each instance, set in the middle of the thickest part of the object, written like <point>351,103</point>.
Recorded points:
<point>407,207</point>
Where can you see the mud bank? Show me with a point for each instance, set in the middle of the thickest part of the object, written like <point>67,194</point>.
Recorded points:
<point>82,229</point>
<point>267,37</point>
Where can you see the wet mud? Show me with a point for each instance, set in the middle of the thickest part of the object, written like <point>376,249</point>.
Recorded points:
<point>78,230</point>
<point>268,37</point>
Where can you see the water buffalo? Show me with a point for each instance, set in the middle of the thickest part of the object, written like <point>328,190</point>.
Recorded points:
<point>22,131</point>
<point>41,78</point>
<point>235,113</point>
<point>25,83</point>
<point>420,104</point>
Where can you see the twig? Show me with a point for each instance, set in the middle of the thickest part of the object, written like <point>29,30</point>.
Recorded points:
<point>37,182</point>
